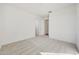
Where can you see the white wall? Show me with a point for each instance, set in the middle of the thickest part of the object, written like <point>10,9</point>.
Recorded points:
<point>62,24</point>
<point>77,23</point>
<point>19,24</point>
<point>1,23</point>
<point>2,34</point>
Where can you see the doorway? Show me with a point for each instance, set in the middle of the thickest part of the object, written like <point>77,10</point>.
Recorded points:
<point>41,27</point>
<point>46,27</point>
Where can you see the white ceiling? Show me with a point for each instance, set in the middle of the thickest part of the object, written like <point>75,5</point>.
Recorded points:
<point>41,8</point>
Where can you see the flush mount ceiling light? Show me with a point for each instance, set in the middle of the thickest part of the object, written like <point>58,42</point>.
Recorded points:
<point>49,11</point>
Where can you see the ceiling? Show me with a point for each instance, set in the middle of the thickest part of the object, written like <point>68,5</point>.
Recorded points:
<point>41,9</point>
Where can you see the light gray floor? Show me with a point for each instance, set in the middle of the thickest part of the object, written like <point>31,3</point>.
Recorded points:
<point>36,45</point>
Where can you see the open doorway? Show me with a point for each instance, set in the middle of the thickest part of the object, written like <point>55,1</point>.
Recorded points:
<point>46,27</point>
<point>42,27</point>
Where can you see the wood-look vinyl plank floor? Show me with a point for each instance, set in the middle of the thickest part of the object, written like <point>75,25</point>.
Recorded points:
<point>34,46</point>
